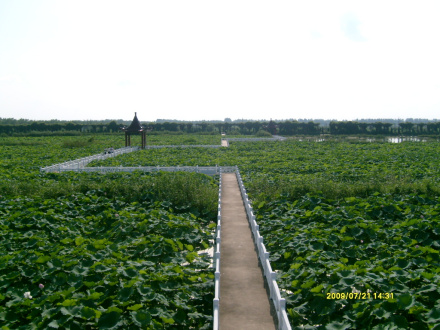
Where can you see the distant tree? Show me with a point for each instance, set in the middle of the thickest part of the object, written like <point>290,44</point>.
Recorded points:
<point>272,127</point>
<point>311,128</point>
<point>433,128</point>
<point>171,127</point>
<point>363,128</point>
<point>287,128</point>
<point>113,126</point>
<point>406,128</point>
<point>421,128</point>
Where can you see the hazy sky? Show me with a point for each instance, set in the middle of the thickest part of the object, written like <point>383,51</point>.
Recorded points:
<point>195,60</point>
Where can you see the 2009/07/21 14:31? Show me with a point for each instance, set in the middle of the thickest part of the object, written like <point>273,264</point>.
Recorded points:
<point>360,295</point>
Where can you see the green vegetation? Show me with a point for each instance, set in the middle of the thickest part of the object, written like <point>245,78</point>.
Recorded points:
<point>383,246</point>
<point>182,139</point>
<point>294,168</point>
<point>338,218</point>
<point>103,263</point>
<point>78,143</point>
<point>102,251</point>
<point>262,133</point>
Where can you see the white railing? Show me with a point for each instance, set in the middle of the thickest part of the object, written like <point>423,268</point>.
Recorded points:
<point>275,295</point>
<point>279,137</point>
<point>208,170</point>
<point>183,146</point>
<point>76,164</point>
<point>251,139</point>
<point>217,241</point>
<point>273,138</point>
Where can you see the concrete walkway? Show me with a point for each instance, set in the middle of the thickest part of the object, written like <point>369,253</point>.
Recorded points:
<point>244,303</point>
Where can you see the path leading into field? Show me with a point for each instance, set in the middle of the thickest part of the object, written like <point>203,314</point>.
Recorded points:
<point>244,303</point>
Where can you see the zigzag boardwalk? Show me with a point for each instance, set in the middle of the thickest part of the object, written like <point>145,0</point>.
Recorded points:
<point>244,303</point>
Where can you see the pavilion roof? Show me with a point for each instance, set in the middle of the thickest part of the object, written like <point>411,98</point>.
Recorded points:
<point>135,125</point>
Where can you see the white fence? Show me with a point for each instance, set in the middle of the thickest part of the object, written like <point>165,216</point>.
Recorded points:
<point>217,242</point>
<point>273,138</point>
<point>183,146</point>
<point>209,170</point>
<point>77,164</point>
<point>250,139</point>
<point>275,295</point>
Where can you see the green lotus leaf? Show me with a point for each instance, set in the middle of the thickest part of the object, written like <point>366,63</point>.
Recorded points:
<point>403,263</point>
<point>347,244</point>
<point>141,318</point>
<point>146,292</point>
<point>79,240</point>
<point>405,301</point>
<point>54,324</point>
<point>399,321</point>
<point>94,295</point>
<point>434,315</point>
<point>89,313</point>
<point>66,241</point>
<point>308,284</point>
<point>381,313</point>
<point>109,320</point>
<point>60,278</point>
<point>356,231</point>
<point>317,246</point>
<point>125,293</point>
<point>69,302</point>
<point>42,259</point>
<point>167,320</point>
<point>134,307</point>
<point>338,326</point>
<point>101,268</point>
<point>130,272</point>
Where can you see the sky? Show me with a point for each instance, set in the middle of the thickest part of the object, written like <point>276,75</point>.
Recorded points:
<point>211,60</point>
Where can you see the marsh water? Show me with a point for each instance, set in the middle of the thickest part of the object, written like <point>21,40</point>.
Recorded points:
<point>390,139</point>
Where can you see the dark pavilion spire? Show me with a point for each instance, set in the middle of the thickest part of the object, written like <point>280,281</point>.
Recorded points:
<point>135,125</point>
<point>134,128</point>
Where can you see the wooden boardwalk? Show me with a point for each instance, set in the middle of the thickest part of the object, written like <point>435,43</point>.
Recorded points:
<point>244,303</point>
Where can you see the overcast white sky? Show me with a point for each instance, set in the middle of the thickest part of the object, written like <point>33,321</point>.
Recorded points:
<point>206,60</point>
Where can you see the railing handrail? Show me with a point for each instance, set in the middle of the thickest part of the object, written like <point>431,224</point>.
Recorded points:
<point>183,146</point>
<point>209,170</point>
<point>217,241</point>
<point>251,139</point>
<point>263,255</point>
<point>82,162</point>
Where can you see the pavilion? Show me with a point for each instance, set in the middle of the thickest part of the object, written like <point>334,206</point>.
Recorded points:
<point>135,128</point>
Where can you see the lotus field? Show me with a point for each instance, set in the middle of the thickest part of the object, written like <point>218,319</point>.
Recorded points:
<point>353,229</point>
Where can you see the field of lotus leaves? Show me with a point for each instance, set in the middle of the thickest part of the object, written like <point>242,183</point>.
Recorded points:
<point>353,229</point>
<point>347,220</point>
<point>102,252</point>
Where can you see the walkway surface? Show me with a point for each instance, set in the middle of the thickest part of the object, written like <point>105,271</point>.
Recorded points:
<point>244,303</point>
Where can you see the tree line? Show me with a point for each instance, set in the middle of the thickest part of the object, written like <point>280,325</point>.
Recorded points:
<point>285,127</point>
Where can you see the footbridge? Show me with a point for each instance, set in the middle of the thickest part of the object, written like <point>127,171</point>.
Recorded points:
<point>247,295</point>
